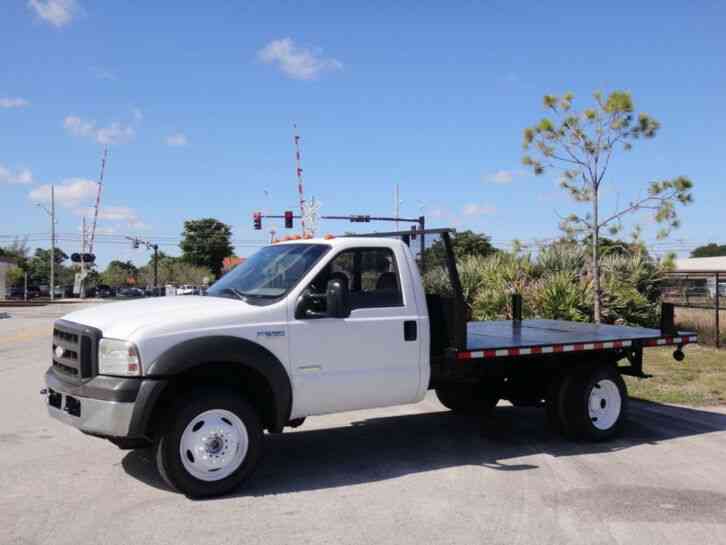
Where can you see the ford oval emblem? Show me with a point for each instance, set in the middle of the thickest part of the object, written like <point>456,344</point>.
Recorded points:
<point>59,351</point>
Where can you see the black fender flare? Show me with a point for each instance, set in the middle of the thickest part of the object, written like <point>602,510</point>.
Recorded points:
<point>229,350</point>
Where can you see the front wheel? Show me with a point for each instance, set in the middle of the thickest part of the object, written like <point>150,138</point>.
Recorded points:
<point>212,446</point>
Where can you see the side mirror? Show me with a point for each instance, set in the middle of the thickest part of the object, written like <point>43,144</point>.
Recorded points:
<point>337,302</point>
<point>337,299</point>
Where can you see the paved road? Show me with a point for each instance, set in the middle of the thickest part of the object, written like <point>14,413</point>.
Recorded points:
<point>411,474</point>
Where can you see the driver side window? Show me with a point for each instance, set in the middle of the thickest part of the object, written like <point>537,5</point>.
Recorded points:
<point>371,275</point>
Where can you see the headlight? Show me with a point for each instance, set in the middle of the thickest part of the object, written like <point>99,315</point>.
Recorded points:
<point>117,357</point>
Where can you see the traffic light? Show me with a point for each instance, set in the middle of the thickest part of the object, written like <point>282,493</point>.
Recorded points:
<point>288,219</point>
<point>257,216</point>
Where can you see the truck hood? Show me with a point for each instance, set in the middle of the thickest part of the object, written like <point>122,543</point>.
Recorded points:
<point>122,318</point>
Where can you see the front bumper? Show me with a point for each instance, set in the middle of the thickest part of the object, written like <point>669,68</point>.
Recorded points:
<point>105,406</point>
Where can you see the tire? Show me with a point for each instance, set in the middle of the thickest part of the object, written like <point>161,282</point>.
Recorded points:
<point>596,404</point>
<point>564,424</point>
<point>552,411</point>
<point>470,399</point>
<point>212,446</point>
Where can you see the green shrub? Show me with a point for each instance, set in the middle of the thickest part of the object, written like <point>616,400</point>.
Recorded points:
<point>557,284</point>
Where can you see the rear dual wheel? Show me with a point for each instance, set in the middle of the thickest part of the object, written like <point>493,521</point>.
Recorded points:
<point>590,404</point>
<point>470,399</point>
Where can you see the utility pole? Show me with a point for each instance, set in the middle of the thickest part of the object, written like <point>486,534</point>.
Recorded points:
<point>82,287</point>
<point>397,207</point>
<point>51,214</point>
<point>136,242</point>
<point>156,266</point>
<point>52,242</point>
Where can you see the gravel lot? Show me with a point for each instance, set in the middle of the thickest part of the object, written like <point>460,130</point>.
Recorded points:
<point>410,474</point>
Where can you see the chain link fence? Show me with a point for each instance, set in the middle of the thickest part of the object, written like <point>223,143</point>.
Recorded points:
<point>698,297</point>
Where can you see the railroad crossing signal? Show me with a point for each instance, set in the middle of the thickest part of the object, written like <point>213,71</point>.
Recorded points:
<point>83,258</point>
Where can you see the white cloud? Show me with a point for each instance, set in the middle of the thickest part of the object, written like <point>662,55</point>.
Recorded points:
<point>104,74</point>
<point>177,140</point>
<point>17,102</point>
<point>115,133</point>
<point>55,12</point>
<point>105,230</point>
<point>473,209</point>
<point>70,193</point>
<point>503,176</point>
<point>20,176</point>
<point>118,214</point>
<point>138,114</point>
<point>297,62</point>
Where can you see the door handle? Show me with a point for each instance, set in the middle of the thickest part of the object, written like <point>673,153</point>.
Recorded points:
<point>410,330</point>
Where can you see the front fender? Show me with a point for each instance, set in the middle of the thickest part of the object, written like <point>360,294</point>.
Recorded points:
<point>234,351</point>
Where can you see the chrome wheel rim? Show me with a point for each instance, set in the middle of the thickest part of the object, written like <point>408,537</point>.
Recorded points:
<point>605,404</point>
<point>214,445</point>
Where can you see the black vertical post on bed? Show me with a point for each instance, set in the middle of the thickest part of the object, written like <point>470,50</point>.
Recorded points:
<point>458,325</point>
<point>517,308</point>
<point>667,323</point>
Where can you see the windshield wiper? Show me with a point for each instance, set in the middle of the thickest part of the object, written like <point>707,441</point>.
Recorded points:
<point>234,291</point>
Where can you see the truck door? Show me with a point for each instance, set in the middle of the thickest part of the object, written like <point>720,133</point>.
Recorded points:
<point>371,358</point>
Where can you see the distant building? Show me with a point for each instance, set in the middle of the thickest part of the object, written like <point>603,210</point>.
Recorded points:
<point>696,276</point>
<point>5,264</point>
<point>701,264</point>
<point>230,263</point>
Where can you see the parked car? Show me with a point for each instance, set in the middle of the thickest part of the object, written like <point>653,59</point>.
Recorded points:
<point>104,291</point>
<point>131,293</point>
<point>15,293</point>
<point>185,290</point>
<point>155,292</point>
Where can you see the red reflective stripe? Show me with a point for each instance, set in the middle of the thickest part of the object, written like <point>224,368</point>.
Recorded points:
<point>598,346</point>
<point>618,344</point>
<point>490,353</point>
<point>463,355</point>
<point>557,348</point>
<point>513,352</point>
<point>579,347</point>
<point>536,350</point>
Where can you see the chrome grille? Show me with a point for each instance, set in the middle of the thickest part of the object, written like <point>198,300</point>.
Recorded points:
<point>74,350</point>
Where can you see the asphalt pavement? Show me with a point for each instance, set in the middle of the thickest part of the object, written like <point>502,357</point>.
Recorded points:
<point>410,474</point>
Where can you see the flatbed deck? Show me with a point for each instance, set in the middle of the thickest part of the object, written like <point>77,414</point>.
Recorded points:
<point>490,339</point>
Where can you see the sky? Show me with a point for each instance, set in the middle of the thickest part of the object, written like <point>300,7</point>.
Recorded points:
<point>196,102</point>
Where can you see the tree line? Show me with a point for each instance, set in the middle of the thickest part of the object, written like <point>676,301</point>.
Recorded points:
<point>205,244</point>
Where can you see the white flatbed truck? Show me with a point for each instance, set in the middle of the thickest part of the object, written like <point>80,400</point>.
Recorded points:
<point>319,326</point>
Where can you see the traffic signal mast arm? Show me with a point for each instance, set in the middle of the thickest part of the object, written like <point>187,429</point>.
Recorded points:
<point>353,218</point>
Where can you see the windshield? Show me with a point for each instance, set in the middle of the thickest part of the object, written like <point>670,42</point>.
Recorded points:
<point>269,273</point>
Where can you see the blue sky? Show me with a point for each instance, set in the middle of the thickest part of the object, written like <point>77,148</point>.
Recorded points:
<point>197,101</point>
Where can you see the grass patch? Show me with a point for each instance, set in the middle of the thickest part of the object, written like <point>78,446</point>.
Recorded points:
<point>703,321</point>
<point>699,380</point>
